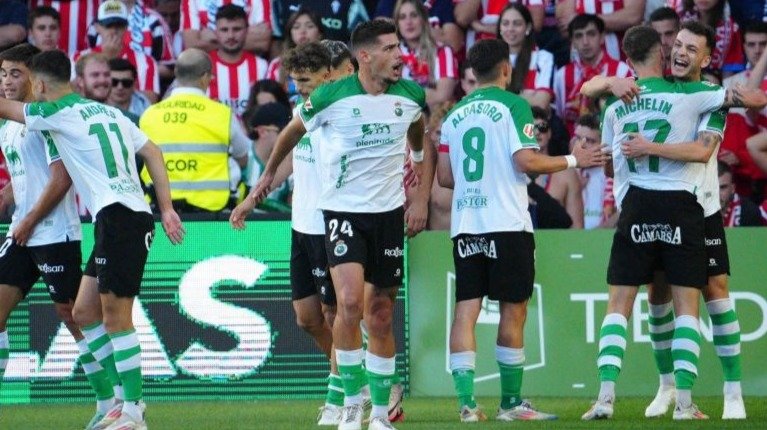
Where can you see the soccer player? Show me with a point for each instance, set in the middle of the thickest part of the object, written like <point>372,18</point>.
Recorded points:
<point>98,145</point>
<point>488,140</point>
<point>661,218</point>
<point>44,236</point>
<point>690,53</point>
<point>367,119</point>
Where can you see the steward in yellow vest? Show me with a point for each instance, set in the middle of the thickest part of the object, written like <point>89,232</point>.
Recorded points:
<point>194,134</point>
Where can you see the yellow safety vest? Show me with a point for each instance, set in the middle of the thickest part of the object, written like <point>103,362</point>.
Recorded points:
<point>193,133</point>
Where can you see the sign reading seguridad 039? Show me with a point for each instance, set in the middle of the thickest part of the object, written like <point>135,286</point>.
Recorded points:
<point>214,319</point>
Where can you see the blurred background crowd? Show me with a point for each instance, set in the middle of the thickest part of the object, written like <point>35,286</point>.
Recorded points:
<point>124,53</point>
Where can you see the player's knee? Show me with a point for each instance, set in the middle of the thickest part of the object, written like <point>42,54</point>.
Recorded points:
<point>716,289</point>
<point>83,316</point>
<point>379,320</point>
<point>309,323</point>
<point>330,315</point>
<point>64,311</point>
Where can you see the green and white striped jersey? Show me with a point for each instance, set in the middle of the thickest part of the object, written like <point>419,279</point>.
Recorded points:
<point>28,155</point>
<point>98,146</point>
<point>362,142</point>
<point>665,112</point>
<point>482,132</point>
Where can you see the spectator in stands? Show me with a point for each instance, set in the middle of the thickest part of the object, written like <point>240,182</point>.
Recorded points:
<point>147,32</point>
<point>666,22</point>
<point>533,68</point>
<point>76,16</point>
<point>13,23</point>
<point>44,28</point>
<point>441,21</point>
<point>564,186</point>
<point>727,55</point>
<point>617,17</point>
<point>266,123</point>
<point>111,26</point>
<point>748,177</point>
<point>598,201</point>
<point>549,38</point>
<point>303,26</point>
<point>170,11</point>
<point>736,210</point>
<point>92,77</point>
<point>196,134</point>
<point>747,11</point>
<point>263,92</point>
<point>234,69</point>
<point>123,94</point>
<point>337,18</point>
<point>198,24</point>
<point>480,18</point>
<point>425,62</point>
<point>468,80</point>
<point>587,36</point>
<point>441,199</point>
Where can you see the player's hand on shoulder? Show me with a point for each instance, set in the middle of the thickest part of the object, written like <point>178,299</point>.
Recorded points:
<point>173,227</point>
<point>624,88</point>
<point>635,146</point>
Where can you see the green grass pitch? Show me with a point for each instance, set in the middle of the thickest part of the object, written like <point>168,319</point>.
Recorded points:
<point>421,413</point>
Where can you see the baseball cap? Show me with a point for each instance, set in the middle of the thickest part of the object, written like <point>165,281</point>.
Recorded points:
<point>270,114</point>
<point>112,12</point>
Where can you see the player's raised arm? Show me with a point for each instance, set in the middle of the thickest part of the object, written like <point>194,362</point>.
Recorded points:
<point>599,86</point>
<point>155,164</point>
<point>12,110</point>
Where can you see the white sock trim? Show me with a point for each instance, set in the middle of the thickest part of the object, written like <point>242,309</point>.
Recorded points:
<point>510,356</point>
<point>380,365</point>
<point>719,306</point>
<point>463,360</point>
<point>349,358</point>
<point>687,321</point>
<point>615,319</point>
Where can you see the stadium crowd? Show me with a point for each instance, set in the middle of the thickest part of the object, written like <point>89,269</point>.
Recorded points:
<point>124,54</point>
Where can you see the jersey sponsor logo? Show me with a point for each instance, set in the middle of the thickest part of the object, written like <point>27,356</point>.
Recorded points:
<point>356,113</point>
<point>474,245</point>
<point>472,200</point>
<point>125,186</point>
<point>45,268</point>
<point>305,144</point>
<point>342,177</point>
<point>51,289</point>
<point>712,262</point>
<point>395,252</point>
<point>646,233</point>
<point>340,249</point>
<point>319,273</point>
<point>528,130</point>
<point>101,260</point>
<point>374,128</point>
<point>713,242</point>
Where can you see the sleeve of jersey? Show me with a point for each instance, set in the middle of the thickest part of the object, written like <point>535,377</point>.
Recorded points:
<point>521,127</point>
<point>237,139</point>
<point>311,112</point>
<point>713,122</point>
<point>51,152</point>
<point>607,127</point>
<point>137,137</point>
<point>37,116</point>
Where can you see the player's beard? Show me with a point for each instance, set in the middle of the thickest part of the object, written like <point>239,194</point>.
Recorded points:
<point>234,49</point>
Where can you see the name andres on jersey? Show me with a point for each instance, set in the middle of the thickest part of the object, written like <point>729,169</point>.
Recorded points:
<point>92,109</point>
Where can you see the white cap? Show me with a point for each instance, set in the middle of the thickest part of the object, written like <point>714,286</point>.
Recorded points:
<point>112,12</point>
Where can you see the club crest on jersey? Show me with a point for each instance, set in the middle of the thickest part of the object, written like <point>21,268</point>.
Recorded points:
<point>528,130</point>
<point>398,109</point>
<point>340,248</point>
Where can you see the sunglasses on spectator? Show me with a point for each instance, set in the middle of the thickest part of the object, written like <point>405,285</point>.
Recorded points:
<point>126,83</point>
<point>542,127</point>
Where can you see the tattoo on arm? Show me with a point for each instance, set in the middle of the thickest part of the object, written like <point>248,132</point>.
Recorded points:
<point>733,98</point>
<point>709,138</point>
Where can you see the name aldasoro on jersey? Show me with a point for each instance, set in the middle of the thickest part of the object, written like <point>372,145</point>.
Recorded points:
<point>477,109</point>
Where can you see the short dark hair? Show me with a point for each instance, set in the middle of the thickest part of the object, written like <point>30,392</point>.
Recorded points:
<point>582,21</point>
<point>366,33</point>
<point>41,11</point>
<point>589,120</point>
<point>722,168</point>
<point>313,17</point>
<point>700,29</point>
<point>338,51</point>
<point>663,14</point>
<point>20,54</point>
<point>539,113</point>
<point>755,27</point>
<point>639,41</point>
<point>310,57</point>
<point>122,65</point>
<point>231,12</point>
<point>54,64</point>
<point>486,56</point>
